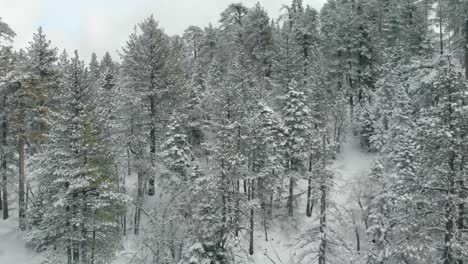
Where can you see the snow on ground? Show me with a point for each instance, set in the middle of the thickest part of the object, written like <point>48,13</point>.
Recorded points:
<point>351,165</point>
<point>351,168</point>
<point>12,246</point>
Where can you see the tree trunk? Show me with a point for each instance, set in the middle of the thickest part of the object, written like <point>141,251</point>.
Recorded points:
<point>265,226</point>
<point>223,200</point>
<point>21,179</point>
<point>251,249</point>
<point>68,224</point>
<point>309,189</point>
<point>291,197</point>
<point>75,245</point>
<point>26,205</point>
<point>3,169</point>
<point>93,247</point>
<point>69,253</point>
<point>323,209</point>
<point>364,214</point>
<point>323,224</point>
<point>124,188</point>
<point>139,201</point>
<point>351,95</point>
<point>237,216</point>
<point>270,207</point>
<point>461,205</point>
<point>76,253</point>
<point>449,226</point>
<point>356,232</point>
<point>338,137</point>
<point>263,204</point>
<point>466,49</point>
<point>152,144</point>
<point>291,189</point>
<point>441,34</point>
<point>358,241</point>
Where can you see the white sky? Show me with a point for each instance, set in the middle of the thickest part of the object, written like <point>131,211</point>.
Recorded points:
<point>104,25</point>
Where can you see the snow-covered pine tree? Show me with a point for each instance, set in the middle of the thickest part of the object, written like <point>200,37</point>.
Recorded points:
<point>176,148</point>
<point>268,161</point>
<point>6,78</point>
<point>40,66</point>
<point>35,78</point>
<point>151,77</point>
<point>258,44</point>
<point>298,124</point>
<point>287,59</point>
<point>443,131</point>
<point>78,185</point>
<point>421,187</point>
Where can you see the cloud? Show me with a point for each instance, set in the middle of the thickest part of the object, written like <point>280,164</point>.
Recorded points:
<point>104,25</point>
<point>23,17</point>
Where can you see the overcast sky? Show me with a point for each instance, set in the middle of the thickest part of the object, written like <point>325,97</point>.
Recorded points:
<point>104,25</point>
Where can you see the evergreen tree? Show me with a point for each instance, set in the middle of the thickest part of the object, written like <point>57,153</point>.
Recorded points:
<point>298,124</point>
<point>42,75</point>
<point>80,201</point>
<point>7,61</point>
<point>151,76</point>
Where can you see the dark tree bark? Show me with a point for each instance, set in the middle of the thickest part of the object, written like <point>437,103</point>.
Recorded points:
<point>21,180</point>
<point>461,205</point>
<point>21,145</point>
<point>139,201</point>
<point>358,240</point>
<point>263,204</point>
<point>265,225</point>
<point>69,242</point>
<point>270,207</point>
<point>251,237</point>
<point>236,209</point>
<point>75,245</point>
<point>351,96</point>
<point>449,204</point>
<point>449,222</point>
<point>356,232</point>
<point>364,213</point>
<point>223,200</point>
<point>441,33</point>
<point>291,197</point>
<point>466,49</point>
<point>323,224</point>
<point>4,172</point>
<point>124,188</point>
<point>69,253</point>
<point>309,190</point>
<point>291,189</point>
<point>323,210</point>
<point>93,246</point>
<point>152,143</point>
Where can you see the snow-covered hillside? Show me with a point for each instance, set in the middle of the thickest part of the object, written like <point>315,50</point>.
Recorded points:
<point>332,136</point>
<point>349,167</point>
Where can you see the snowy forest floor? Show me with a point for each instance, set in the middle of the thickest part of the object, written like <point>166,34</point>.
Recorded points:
<point>285,245</point>
<point>12,246</point>
<point>284,239</point>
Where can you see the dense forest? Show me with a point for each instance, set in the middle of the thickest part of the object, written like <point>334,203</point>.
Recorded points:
<point>195,148</point>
